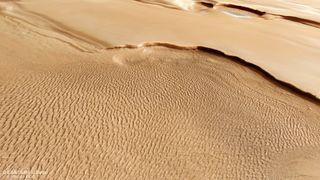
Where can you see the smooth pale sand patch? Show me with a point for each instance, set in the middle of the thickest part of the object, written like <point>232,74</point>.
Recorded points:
<point>286,49</point>
<point>162,113</point>
<point>309,9</point>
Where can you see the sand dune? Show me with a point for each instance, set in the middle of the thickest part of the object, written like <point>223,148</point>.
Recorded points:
<point>73,105</point>
<point>226,29</point>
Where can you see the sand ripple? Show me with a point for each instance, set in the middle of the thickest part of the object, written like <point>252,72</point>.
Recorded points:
<point>147,112</point>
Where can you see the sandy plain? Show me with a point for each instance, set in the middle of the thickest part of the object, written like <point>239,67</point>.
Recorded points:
<point>86,93</point>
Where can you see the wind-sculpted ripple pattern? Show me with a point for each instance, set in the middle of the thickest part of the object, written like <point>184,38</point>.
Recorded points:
<point>147,112</point>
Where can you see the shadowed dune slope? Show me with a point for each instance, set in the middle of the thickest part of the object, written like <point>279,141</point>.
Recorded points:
<point>146,113</point>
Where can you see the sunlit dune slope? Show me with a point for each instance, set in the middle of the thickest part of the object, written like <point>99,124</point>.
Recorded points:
<point>286,48</point>
<point>147,112</point>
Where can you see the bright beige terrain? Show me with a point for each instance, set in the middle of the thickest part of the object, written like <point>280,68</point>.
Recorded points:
<point>74,109</point>
<point>309,9</point>
<point>294,57</point>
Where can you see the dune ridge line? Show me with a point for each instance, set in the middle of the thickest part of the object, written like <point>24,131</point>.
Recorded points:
<point>288,86</point>
<point>93,41</point>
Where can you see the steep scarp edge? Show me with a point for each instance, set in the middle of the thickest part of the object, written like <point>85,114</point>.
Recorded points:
<point>209,4</point>
<point>264,14</point>
<point>282,84</point>
<point>286,85</point>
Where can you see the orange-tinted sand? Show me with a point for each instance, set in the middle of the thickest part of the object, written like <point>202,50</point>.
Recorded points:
<point>284,48</point>
<point>85,93</point>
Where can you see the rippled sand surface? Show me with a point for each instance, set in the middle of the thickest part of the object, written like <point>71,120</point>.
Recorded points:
<point>86,93</point>
<point>286,48</point>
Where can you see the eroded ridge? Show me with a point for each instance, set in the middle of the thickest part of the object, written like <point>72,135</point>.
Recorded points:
<point>267,15</point>
<point>194,5</point>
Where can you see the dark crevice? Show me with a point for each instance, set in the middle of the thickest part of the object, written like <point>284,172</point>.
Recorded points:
<point>244,8</point>
<point>302,21</point>
<point>262,13</point>
<point>208,5</point>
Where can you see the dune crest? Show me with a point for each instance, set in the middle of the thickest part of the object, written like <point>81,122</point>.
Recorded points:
<point>292,59</point>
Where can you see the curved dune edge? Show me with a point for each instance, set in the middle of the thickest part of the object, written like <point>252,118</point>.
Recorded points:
<point>84,40</point>
<point>283,84</point>
<point>288,86</point>
<point>264,73</point>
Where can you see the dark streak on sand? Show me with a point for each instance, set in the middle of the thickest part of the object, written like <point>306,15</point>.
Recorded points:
<point>262,13</point>
<point>259,13</point>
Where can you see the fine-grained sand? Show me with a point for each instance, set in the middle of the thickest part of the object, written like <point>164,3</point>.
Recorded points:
<point>288,49</point>
<point>148,113</point>
<point>73,106</point>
